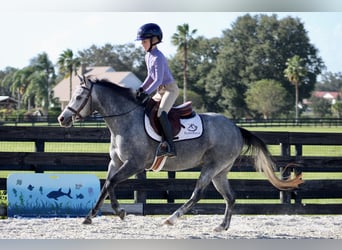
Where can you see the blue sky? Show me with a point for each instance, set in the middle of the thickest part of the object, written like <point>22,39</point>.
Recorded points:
<point>25,34</point>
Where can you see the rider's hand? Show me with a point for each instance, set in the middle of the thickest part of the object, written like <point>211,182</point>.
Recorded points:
<point>141,96</point>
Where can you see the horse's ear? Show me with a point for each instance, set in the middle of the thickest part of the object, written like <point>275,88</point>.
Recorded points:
<point>81,79</point>
<point>86,80</point>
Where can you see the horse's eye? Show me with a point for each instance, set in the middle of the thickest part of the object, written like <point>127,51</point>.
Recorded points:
<point>78,98</point>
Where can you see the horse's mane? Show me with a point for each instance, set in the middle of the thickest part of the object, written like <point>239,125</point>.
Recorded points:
<point>128,93</point>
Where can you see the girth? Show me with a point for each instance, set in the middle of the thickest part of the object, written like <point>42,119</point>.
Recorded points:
<point>183,111</point>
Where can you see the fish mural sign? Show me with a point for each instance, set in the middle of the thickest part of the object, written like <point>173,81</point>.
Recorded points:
<point>51,195</point>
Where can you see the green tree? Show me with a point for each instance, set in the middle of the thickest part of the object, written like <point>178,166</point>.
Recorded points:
<point>330,82</point>
<point>20,82</point>
<point>321,107</point>
<point>201,60</point>
<point>31,85</point>
<point>42,80</point>
<point>196,99</point>
<point>267,97</point>
<point>255,48</point>
<point>337,109</point>
<point>184,40</point>
<point>68,63</point>
<point>295,71</point>
<point>120,57</point>
<point>6,81</point>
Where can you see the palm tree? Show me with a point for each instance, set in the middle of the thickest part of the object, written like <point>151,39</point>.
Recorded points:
<point>67,64</point>
<point>294,72</point>
<point>20,83</point>
<point>42,79</point>
<point>184,40</point>
<point>6,81</point>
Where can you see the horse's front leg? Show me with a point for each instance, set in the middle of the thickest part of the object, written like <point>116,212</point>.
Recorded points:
<point>112,168</point>
<point>127,169</point>
<point>93,212</point>
<point>114,202</point>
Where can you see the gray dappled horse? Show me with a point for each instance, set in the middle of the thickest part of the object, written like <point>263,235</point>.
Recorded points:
<point>132,151</point>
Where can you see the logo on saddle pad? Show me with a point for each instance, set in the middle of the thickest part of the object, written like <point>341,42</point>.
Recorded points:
<point>185,122</point>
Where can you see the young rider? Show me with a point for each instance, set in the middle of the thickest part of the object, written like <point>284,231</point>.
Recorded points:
<point>159,79</point>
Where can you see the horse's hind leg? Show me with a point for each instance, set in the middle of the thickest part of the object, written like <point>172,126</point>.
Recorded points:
<point>221,184</point>
<point>202,183</point>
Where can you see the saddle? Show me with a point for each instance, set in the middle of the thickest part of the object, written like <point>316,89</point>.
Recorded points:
<point>183,111</point>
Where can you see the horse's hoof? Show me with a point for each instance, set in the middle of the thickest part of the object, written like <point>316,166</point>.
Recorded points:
<point>171,220</point>
<point>221,228</point>
<point>87,221</point>
<point>167,222</point>
<point>218,229</point>
<point>122,214</point>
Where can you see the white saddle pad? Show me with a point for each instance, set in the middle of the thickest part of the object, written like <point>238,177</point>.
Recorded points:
<point>191,128</point>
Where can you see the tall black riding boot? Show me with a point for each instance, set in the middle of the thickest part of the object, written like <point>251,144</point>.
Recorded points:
<point>170,149</point>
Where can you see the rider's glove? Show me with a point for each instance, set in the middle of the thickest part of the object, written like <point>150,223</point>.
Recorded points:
<point>141,96</point>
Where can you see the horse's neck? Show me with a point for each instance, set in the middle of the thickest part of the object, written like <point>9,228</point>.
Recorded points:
<point>125,125</point>
<point>108,103</point>
<point>119,113</point>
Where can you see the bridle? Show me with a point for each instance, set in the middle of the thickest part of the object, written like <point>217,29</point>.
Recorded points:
<point>76,112</point>
<point>78,116</point>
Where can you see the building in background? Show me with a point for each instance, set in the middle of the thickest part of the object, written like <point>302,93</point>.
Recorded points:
<point>124,78</point>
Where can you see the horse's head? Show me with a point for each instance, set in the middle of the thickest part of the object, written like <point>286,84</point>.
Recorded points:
<point>79,106</point>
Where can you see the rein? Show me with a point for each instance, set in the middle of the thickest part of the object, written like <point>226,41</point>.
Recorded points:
<point>120,114</point>
<point>77,112</point>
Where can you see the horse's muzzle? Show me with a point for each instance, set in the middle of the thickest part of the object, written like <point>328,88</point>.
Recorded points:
<point>64,122</point>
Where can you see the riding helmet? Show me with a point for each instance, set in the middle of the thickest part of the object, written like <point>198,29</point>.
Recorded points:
<point>149,30</point>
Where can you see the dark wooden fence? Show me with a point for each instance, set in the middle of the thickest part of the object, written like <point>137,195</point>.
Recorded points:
<point>98,121</point>
<point>146,192</point>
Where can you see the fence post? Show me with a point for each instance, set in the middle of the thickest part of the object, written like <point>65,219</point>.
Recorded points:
<point>285,196</point>
<point>140,196</point>
<point>40,147</point>
<point>299,154</point>
<point>170,198</point>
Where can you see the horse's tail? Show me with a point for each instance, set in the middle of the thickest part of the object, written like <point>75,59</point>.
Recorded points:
<point>264,162</point>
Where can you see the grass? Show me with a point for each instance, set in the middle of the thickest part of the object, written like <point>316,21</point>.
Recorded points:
<point>70,147</point>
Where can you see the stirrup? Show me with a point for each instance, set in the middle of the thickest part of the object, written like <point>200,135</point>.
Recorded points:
<point>164,149</point>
